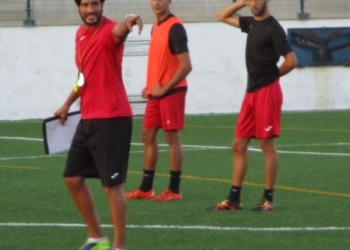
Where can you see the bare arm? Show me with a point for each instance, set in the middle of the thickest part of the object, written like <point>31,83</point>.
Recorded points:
<point>228,15</point>
<point>184,69</point>
<point>63,110</point>
<point>122,29</point>
<point>290,62</point>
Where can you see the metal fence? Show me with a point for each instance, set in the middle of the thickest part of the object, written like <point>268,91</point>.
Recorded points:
<point>63,12</point>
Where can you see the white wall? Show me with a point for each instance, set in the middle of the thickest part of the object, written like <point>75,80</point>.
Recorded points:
<point>37,71</point>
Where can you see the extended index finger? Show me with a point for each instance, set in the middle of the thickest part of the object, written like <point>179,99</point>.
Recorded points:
<point>139,22</point>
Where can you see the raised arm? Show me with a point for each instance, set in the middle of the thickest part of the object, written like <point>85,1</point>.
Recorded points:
<point>228,15</point>
<point>122,29</point>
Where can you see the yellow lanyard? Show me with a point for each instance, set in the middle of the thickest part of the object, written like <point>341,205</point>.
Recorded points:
<point>83,54</point>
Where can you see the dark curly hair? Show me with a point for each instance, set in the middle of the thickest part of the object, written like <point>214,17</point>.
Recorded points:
<point>78,2</point>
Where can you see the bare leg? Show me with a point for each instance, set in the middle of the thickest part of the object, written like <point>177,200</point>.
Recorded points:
<point>175,150</point>
<point>240,160</point>
<point>117,204</point>
<point>150,148</point>
<point>271,161</point>
<point>83,200</point>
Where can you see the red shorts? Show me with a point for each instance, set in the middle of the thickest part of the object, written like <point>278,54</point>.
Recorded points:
<point>260,114</point>
<point>167,113</point>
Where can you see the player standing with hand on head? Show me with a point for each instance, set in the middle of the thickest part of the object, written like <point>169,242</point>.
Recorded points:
<point>260,112</point>
<point>168,65</point>
<point>101,144</point>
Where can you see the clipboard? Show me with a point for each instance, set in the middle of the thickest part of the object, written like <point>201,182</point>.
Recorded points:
<point>58,137</point>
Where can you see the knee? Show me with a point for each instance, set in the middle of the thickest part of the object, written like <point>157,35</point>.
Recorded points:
<point>115,191</point>
<point>238,147</point>
<point>235,147</point>
<point>267,145</point>
<point>148,136</point>
<point>144,135</point>
<point>172,137</point>
<point>73,182</point>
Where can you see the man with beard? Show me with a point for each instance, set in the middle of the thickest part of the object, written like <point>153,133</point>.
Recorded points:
<point>101,144</point>
<point>260,112</point>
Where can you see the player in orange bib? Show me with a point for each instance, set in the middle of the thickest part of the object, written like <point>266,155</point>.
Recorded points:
<point>168,65</point>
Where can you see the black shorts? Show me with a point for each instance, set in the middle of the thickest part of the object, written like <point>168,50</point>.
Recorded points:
<point>100,149</point>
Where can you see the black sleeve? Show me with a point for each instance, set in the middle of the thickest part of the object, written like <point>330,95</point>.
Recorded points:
<point>178,39</point>
<point>244,23</point>
<point>280,41</point>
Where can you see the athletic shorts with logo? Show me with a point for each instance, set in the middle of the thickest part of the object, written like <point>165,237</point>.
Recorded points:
<point>260,114</point>
<point>100,149</point>
<point>167,113</point>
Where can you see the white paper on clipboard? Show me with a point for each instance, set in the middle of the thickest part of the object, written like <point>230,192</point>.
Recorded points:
<point>58,137</point>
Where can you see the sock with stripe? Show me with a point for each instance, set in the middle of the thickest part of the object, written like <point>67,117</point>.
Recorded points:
<point>235,194</point>
<point>147,180</point>
<point>268,194</point>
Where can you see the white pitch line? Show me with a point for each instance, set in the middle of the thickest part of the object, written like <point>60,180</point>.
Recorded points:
<point>316,144</point>
<point>20,138</point>
<point>28,157</point>
<point>303,152</point>
<point>190,147</point>
<point>178,227</point>
<point>198,147</point>
<point>193,146</point>
<point>313,153</point>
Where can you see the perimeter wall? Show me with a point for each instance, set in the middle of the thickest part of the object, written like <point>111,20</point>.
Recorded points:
<point>37,71</point>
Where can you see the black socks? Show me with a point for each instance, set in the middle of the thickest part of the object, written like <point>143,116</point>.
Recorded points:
<point>235,194</point>
<point>174,184</point>
<point>147,181</point>
<point>148,176</point>
<point>268,195</point>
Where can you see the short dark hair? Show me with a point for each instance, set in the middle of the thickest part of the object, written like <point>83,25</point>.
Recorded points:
<point>78,2</point>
